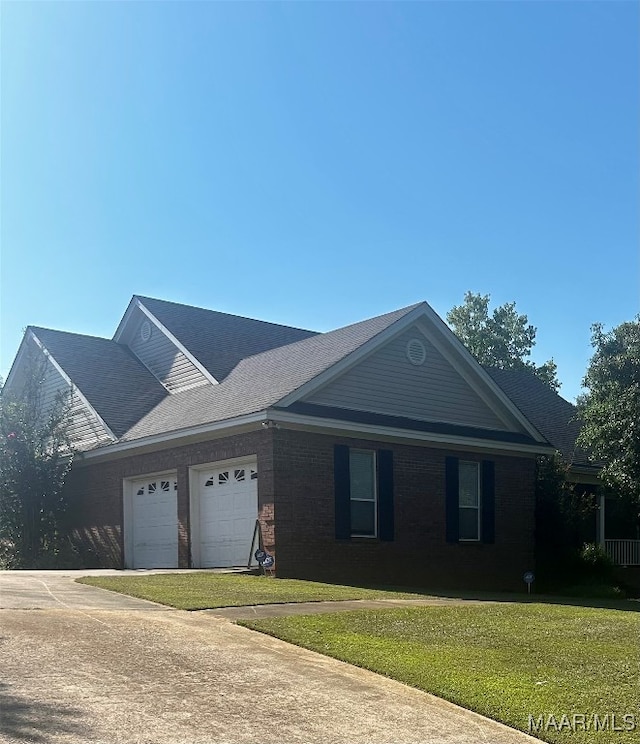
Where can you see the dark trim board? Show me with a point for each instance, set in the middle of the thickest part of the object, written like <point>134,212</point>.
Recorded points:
<point>400,422</point>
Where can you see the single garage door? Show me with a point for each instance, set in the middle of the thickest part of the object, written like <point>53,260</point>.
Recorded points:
<point>155,523</point>
<point>228,511</point>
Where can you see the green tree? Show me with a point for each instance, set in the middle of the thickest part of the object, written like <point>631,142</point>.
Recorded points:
<point>35,456</point>
<point>610,409</point>
<point>503,339</point>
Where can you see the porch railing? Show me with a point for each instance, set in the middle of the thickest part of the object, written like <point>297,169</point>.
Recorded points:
<point>623,552</point>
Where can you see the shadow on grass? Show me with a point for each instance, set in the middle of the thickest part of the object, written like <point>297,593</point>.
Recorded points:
<point>25,720</point>
<point>627,605</point>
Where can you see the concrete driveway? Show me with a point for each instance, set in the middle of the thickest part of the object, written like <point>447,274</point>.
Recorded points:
<point>80,664</point>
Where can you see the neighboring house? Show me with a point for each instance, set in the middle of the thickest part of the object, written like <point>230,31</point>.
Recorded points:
<point>379,452</point>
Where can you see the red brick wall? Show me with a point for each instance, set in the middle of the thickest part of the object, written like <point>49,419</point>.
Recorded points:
<point>419,555</point>
<point>295,486</point>
<point>96,492</point>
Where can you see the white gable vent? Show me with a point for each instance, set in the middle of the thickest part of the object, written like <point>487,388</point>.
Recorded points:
<point>145,331</point>
<point>416,353</point>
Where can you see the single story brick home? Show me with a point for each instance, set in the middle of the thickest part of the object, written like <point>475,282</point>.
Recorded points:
<point>379,452</point>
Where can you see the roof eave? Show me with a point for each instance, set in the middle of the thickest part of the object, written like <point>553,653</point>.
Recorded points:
<point>182,436</point>
<point>278,417</point>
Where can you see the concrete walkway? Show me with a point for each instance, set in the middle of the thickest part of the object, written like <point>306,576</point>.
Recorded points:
<point>248,612</point>
<point>80,668</point>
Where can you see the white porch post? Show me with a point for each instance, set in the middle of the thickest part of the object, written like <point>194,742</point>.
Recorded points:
<point>601,520</point>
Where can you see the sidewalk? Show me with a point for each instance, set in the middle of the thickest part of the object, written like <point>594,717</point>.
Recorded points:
<point>316,608</point>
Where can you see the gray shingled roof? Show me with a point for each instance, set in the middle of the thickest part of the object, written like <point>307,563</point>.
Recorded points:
<point>219,341</point>
<point>262,380</point>
<point>109,375</point>
<point>553,416</point>
<point>135,405</point>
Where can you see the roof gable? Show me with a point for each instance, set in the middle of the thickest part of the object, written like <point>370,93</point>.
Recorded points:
<point>86,428</point>
<point>449,346</point>
<point>263,380</point>
<point>390,381</point>
<point>161,353</point>
<point>219,341</point>
<point>134,405</point>
<point>113,381</point>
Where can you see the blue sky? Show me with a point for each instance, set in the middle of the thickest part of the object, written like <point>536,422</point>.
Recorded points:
<point>319,163</point>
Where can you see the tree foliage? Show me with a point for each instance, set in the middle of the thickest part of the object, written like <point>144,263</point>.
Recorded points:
<point>503,339</point>
<point>35,457</point>
<point>610,409</point>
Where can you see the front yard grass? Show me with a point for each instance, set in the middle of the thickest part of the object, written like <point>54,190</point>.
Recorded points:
<point>200,591</point>
<point>505,661</point>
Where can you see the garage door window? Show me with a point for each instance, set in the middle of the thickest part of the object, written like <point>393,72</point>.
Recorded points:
<point>147,489</point>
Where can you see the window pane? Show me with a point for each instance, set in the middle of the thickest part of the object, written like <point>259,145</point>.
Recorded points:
<point>363,518</point>
<point>468,525</point>
<point>362,477</point>
<point>468,473</point>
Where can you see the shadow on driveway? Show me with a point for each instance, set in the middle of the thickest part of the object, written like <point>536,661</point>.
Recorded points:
<point>25,720</point>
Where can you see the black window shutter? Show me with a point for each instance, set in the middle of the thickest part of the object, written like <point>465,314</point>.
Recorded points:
<point>385,494</point>
<point>488,502</point>
<point>451,498</point>
<point>342,487</point>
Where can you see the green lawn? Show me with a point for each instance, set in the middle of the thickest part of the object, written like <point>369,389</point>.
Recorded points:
<point>505,661</point>
<point>199,591</point>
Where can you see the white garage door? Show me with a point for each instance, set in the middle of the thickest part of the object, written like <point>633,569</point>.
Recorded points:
<point>155,523</point>
<point>228,512</point>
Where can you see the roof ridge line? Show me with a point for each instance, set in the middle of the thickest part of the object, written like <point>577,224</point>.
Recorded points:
<point>142,298</point>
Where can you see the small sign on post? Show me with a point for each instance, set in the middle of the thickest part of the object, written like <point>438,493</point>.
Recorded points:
<point>529,578</point>
<point>265,560</point>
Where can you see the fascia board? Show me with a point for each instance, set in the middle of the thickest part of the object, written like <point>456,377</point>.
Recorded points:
<point>584,474</point>
<point>122,325</point>
<point>203,370</point>
<point>73,386</point>
<point>351,359</point>
<point>175,438</point>
<point>18,359</point>
<point>356,430</point>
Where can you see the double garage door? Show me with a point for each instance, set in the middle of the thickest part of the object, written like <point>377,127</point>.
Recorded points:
<point>224,508</point>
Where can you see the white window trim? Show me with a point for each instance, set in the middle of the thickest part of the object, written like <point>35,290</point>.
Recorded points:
<point>477,508</point>
<point>373,501</point>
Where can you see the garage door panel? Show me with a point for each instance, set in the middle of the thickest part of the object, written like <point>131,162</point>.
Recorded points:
<point>228,512</point>
<point>155,523</point>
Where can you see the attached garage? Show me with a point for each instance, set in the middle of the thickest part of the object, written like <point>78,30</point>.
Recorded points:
<point>224,509</point>
<point>151,516</point>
